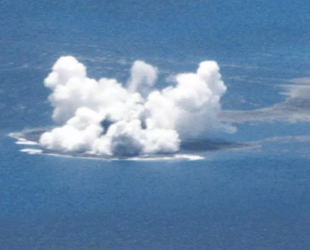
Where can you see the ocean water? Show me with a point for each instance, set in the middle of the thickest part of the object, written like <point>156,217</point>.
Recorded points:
<point>250,197</point>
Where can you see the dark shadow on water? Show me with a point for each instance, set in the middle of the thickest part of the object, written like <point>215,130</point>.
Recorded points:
<point>205,145</point>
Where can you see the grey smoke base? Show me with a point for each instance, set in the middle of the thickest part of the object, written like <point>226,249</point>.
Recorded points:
<point>107,118</point>
<point>295,108</point>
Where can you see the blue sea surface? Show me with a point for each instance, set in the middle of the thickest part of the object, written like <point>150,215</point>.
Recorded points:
<point>252,198</point>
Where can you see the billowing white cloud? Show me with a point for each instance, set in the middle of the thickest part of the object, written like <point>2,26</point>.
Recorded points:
<point>105,118</point>
<point>143,77</point>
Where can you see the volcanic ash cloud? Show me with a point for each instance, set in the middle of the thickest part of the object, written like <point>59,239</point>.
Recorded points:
<point>108,118</point>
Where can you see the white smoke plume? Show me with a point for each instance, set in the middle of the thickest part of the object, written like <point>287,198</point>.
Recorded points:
<point>106,118</point>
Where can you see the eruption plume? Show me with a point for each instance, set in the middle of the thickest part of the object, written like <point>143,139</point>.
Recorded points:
<point>108,118</point>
